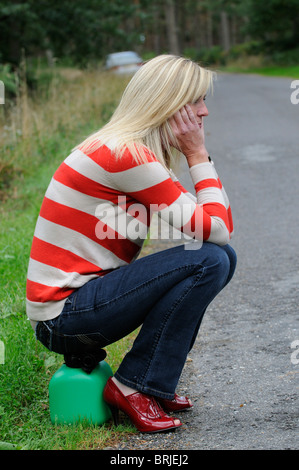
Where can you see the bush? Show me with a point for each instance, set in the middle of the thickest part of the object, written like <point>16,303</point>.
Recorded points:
<point>289,57</point>
<point>214,55</point>
<point>245,49</point>
<point>207,55</point>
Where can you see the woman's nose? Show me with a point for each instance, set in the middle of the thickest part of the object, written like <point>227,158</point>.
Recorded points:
<point>203,110</point>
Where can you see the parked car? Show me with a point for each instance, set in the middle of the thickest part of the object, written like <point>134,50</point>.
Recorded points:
<point>127,62</point>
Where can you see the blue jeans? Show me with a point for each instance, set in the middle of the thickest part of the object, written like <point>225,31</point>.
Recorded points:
<point>165,293</point>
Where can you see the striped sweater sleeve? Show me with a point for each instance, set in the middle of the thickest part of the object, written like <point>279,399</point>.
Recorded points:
<point>221,228</point>
<point>206,217</point>
<point>225,200</point>
<point>213,198</point>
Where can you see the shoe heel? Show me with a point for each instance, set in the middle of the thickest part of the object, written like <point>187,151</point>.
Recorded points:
<point>115,414</point>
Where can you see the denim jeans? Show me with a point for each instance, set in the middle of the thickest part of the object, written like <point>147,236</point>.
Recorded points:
<point>165,293</point>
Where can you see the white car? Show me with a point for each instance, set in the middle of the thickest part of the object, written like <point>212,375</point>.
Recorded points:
<point>127,62</point>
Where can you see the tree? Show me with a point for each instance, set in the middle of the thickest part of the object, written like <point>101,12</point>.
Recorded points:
<point>171,27</point>
<point>86,30</point>
<point>20,27</point>
<point>275,22</point>
<point>81,30</point>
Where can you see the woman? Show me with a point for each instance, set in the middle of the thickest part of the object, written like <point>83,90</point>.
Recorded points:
<point>86,289</point>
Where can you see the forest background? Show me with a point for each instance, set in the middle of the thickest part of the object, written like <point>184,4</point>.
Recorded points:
<point>85,31</point>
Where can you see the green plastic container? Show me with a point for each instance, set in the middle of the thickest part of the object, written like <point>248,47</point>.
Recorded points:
<point>75,395</point>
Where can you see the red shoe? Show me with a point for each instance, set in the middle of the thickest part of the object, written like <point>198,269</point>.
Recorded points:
<point>143,410</point>
<point>176,404</point>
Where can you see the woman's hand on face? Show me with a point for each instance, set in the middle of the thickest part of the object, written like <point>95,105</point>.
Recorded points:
<point>189,133</point>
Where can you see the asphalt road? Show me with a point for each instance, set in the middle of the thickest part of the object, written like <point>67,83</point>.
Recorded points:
<point>243,370</point>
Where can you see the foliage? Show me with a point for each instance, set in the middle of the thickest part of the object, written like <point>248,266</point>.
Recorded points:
<point>85,31</point>
<point>275,22</point>
<point>80,30</point>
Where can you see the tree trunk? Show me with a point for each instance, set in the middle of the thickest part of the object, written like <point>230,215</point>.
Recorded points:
<point>225,31</point>
<point>171,27</point>
<point>209,38</point>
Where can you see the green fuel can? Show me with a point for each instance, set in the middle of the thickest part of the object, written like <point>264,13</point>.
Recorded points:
<point>75,395</point>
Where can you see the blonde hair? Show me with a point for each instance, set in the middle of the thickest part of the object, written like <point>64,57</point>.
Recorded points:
<point>160,88</point>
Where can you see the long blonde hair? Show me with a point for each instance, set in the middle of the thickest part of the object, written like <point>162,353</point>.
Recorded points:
<point>160,88</point>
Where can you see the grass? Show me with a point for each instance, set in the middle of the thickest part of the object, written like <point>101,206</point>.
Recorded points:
<point>291,71</point>
<point>38,134</point>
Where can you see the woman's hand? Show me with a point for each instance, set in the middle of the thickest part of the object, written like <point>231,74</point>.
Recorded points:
<point>189,133</point>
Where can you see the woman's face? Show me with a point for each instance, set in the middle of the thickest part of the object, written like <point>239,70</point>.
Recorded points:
<point>199,110</point>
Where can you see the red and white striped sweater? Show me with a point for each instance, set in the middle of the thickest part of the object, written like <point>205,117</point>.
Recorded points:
<point>95,217</point>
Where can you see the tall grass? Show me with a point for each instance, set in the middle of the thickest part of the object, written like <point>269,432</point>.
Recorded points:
<point>38,131</point>
<point>65,106</point>
<point>254,65</point>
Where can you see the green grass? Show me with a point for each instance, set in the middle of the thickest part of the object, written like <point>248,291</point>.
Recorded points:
<point>28,366</point>
<point>270,71</point>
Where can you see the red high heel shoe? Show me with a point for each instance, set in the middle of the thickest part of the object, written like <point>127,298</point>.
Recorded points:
<point>143,410</point>
<point>176,404</point>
